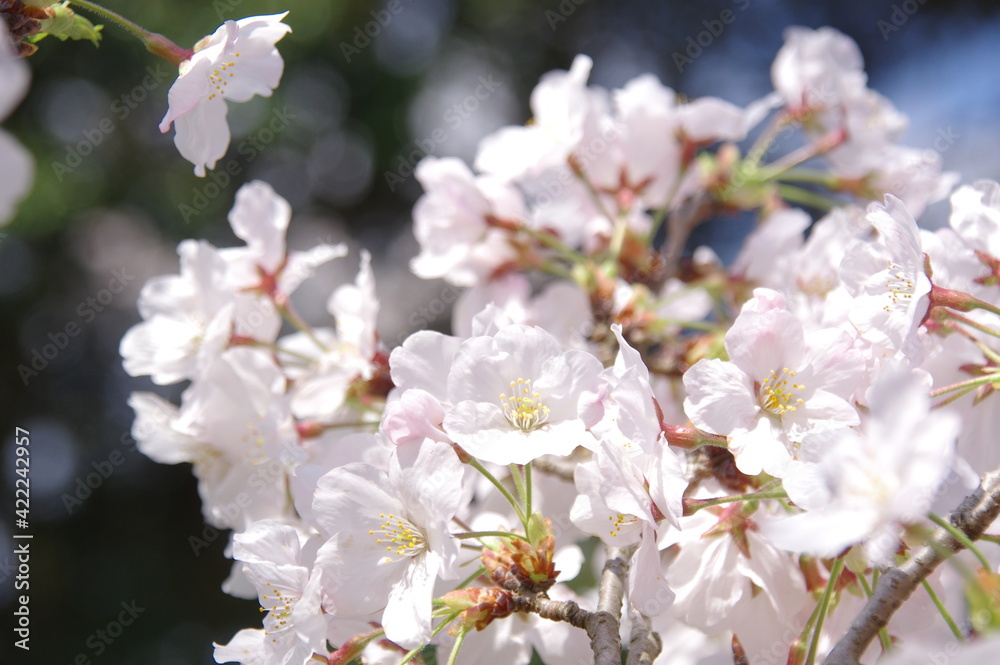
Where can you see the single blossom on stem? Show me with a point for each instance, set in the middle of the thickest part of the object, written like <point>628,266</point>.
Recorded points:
<point>237,62</point>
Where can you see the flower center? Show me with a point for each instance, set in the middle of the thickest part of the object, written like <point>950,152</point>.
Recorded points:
<point>900,288</point>
<point>278,606</point>
<point>620,520</point>
<point>399,535</point>
<point>219,78</point>
<point>777,395</point>
<point>523,408</point>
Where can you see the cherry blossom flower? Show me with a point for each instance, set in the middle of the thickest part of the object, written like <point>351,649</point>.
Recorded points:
<point>240,409</point>
<point>275,560</point>
<point>729,576</point>
<point>321,386</point>
<point>221,294</point>
<point>566,113</point>
<point>518,395</point>
<point>452,222</point>
<point>975,215</point>
<point>189,318</point>
<point>15,163</point>
<point>562,308</point>
<point>260,217</point>
<point>861,486</point>
<point>886,277</point>
<point>817,68</point>
<point>237,62</point>
<point>389,538</point>
<point>779,385</point>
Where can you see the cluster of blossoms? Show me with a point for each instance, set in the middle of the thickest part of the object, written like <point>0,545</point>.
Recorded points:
<point>752,444</point>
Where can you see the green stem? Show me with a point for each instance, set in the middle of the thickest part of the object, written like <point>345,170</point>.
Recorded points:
<point>154,43</point>
<point>475,464</point>
<point>973,324</point>
<point>486,534</point>
<point>468,580</point>
<point>290,315</point>
<point>807,629</point>
<point>883,634</point>
<point>815,176</point>
<point>806,197</point>
<point>838,566</point>
<point>690,509</point>
<point>437,629</point>
<point>527,490</point>
<point>953,398</point>
<point>618,240</point>
<point>990,539</point>
<point>294,354</point>
<point>458,645</point>
<point>766,138</point>
<point>704,326</point>
<point>661,214</point>
<point>515,473</point>
<point>553,268</point>
<point>960,537</point>
<point>968,384</point>
<point>550,241</point>
<point>595,196</point>
<point>944,612</point>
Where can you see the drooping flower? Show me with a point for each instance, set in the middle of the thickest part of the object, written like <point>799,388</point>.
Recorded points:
<point>237,62</point>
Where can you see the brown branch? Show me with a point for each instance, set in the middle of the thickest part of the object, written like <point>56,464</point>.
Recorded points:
<point>680,224</point>
<point>644,643</point>
<point>603,625</point>
<point>895,585</point>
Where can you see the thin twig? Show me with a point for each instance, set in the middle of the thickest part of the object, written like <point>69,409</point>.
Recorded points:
<point>895,585</point>
<point>680,224</point>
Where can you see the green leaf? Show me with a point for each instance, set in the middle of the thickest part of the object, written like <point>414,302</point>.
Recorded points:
<point>537,529</point>
<point>65,24</point>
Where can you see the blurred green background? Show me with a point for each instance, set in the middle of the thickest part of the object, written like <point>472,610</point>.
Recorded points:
<point>348,118</point>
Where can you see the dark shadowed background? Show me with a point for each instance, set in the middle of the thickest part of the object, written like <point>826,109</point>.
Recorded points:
<point>339,139</point>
